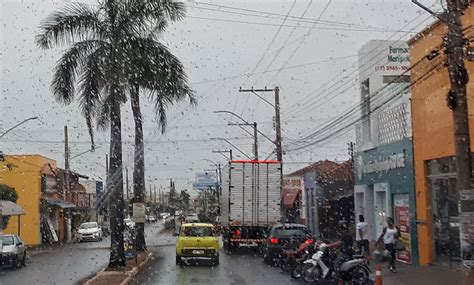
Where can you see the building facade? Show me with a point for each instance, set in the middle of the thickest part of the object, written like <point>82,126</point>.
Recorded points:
<point>27,174</point>
<point>437,200</point>
<point>328,196</point>
<point>52,210</point>
<point>383,160</point>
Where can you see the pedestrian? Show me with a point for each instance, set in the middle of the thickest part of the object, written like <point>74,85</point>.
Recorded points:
<point>361,236</point>
<point>389,236</point>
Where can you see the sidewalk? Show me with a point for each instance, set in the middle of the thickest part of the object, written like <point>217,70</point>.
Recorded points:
<point>410,275</point>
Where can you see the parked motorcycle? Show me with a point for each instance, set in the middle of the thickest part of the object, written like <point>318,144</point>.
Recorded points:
<point>321,267</point>
<point>289,259</point>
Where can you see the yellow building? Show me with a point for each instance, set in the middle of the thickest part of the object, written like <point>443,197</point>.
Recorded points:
<point>433,140</point>
<point>26,174</point>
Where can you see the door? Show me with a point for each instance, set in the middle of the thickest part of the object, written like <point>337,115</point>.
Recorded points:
<point>445,219</point>
<point>381,206</point>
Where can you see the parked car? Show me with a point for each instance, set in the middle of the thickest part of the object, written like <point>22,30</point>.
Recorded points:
<point>191,218</point>
<point>197,240</point>
<point>89,231</point>
<point>12,251</point>
<point>129,224</point>
<point>283,237</point>
<point>150,219</point>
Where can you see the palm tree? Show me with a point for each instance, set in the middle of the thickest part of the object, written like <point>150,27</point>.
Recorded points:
<point>158,71</point>
<point>103,42</point>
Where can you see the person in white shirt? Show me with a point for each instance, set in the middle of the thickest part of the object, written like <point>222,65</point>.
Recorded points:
<point>361,236</point>
<point>389,236</point>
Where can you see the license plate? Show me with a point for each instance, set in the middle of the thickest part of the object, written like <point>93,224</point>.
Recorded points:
<point>198,251</point>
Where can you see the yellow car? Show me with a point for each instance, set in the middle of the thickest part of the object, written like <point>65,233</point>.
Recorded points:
<point>197,241</point>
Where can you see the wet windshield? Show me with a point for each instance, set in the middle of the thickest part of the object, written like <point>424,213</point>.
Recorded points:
<point>88,226</point>
<point>197,232</point>
<point>335,121</point>
<point>7,240</point>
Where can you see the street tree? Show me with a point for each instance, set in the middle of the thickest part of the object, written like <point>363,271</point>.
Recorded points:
<point>9,194</point>
<point>154,68</point>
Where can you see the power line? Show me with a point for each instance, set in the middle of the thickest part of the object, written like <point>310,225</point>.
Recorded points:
<point>302,27</point>
<point>282,46</point>
<point>266,50</point>
<point>302,40</point>
<point>352,122</point>
<point>308,20</point>
<point>273,70</point>
<point>308,103</point>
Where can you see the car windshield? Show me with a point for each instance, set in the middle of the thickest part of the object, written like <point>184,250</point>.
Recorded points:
<point>197,231</point>
<point>7,240</point>
<point>88,226</point>
<point>122,121</point>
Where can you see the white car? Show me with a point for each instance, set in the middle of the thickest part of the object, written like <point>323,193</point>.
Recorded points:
<point>150,219</point>
<point>89,231</point>
<point>192,218</point>
<point>129,223</point>
<point>12,250</point>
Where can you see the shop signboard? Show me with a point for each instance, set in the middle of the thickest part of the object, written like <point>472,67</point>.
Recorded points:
<point>402,220</point>
<point>139,212</point>
<point>295,184</point>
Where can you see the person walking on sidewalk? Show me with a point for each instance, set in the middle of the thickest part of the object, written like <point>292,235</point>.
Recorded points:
<point>361,236</point>
<point>389,236</point>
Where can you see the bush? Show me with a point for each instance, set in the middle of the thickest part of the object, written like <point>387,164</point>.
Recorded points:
<point>7,193</point>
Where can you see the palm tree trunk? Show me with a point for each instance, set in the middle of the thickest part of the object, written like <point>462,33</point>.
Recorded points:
<point>115,185</point>
<point>139,161</point>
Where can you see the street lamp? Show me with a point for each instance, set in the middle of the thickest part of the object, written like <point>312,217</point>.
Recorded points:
<point>17,125</point>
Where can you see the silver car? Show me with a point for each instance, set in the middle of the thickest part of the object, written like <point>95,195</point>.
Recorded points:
<point>12,251</point>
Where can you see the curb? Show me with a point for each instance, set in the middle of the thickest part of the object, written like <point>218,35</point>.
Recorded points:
<point>131,273</point>
<point>134,271</point>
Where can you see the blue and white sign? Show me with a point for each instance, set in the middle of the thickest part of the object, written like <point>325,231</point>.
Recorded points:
<point>205,180</point>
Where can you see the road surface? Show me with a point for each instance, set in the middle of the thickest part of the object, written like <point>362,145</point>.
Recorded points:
<point>67,264</point>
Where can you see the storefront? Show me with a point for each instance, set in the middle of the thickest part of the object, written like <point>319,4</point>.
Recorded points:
<point>384,187</point>
<point>437,200</point>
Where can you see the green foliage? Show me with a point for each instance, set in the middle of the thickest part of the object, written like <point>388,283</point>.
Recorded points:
<point>8,193</point>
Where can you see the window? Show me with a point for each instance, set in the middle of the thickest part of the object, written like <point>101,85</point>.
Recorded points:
<point>7,240</point>
<point>197,232</point>
<point>291,231</point>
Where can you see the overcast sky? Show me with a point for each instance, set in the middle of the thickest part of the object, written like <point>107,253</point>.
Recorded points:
<point>313,64</point>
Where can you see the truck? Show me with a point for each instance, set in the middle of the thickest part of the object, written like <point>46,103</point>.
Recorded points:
<point>250,201</point>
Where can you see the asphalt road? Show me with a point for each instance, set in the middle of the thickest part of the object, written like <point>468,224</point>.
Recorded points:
<point>243,267</point>
<point>67,264</point>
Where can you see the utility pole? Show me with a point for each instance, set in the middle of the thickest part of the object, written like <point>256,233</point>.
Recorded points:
<point>224,151</point>
<point>154,194</point>
<point>458,99</point>
<point>255,137</point>
<point>150,194</point>
<point>67,183</point>
<point>126,182</point>
<point>279,151</point>
<point>276,105</point>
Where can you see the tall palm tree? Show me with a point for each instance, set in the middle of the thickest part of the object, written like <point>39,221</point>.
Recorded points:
<point>103,41</point>
<point>161,73</point>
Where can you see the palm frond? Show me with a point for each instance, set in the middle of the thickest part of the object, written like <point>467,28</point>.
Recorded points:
<point>67,69</point>
<point>75,22</point>
<point>91,83</point>
<point>158,70</point>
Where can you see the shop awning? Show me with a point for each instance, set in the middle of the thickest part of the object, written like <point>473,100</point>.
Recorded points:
<point>59,203</point>
<point>8,208</point>
<point>289,198</point>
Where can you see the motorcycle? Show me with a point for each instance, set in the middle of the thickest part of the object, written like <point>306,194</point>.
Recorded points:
<point>290,259</point>
<point>321,267</point>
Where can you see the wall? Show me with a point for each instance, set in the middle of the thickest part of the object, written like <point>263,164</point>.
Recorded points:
<point>433,133</point>
<point>399,180</point>
<point>23,172</point>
